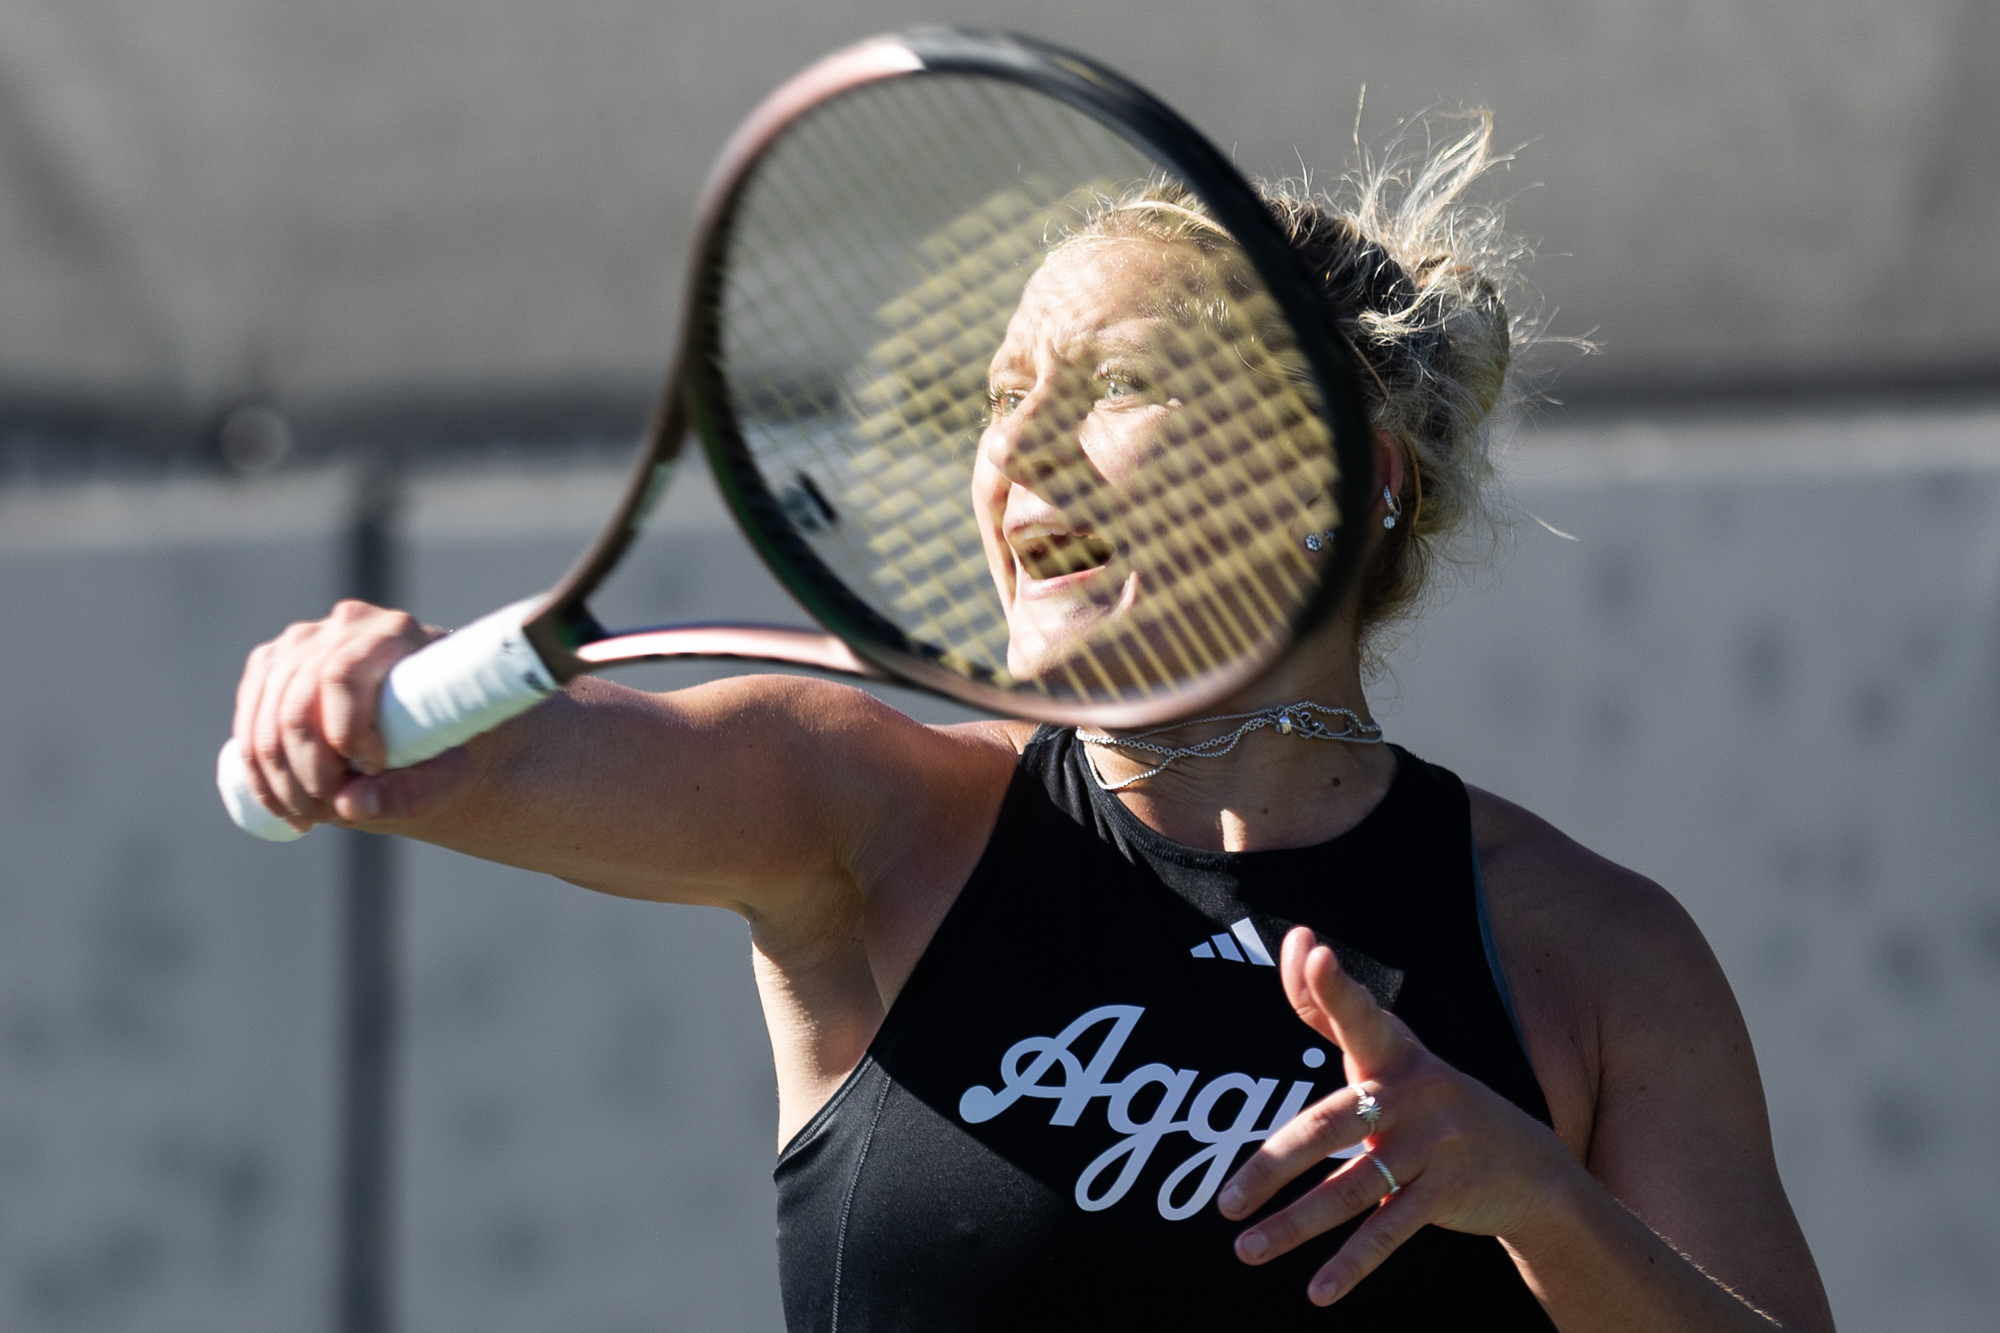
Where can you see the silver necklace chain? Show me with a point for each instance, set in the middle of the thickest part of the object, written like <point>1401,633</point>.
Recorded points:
<point>1301,719</point>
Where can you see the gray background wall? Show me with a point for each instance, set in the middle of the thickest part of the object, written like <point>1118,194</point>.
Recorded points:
<point>167,997</point>
<point>1766,673</point>
<point>338,205</point>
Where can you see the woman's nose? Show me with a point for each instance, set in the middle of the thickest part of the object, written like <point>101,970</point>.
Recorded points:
<point>1034,443</point>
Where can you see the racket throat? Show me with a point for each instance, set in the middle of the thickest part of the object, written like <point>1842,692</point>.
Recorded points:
<point>783,645</point>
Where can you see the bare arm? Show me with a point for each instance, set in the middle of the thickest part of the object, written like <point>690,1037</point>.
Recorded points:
<point>1636,1036</point>
<point>764,794</point>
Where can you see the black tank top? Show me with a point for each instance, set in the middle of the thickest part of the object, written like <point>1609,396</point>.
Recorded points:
<point>1096,1037</point>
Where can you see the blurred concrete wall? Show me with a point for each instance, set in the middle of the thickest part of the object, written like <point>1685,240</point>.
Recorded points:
<point>167,996</point>
<point>203,200</point>
<point>1766,673</point>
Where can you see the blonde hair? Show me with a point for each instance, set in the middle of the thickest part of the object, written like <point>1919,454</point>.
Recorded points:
<point>1416,277</point>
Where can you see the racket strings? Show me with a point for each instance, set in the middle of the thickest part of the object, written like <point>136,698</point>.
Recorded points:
<point>926,380</point>
<point>878,258</point>
<point>919,396</point>
<point>794,293</point>
<point>904,484</point>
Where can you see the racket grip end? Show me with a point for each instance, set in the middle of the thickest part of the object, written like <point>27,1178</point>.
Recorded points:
<point>232,779</point>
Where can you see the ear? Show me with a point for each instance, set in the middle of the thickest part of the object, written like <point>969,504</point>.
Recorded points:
<point>1389,467</point>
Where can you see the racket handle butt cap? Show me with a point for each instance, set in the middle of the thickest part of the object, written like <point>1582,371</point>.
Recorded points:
<point>232,779</point>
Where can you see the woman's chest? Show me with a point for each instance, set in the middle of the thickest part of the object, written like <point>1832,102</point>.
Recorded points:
<point>1042,1126</point>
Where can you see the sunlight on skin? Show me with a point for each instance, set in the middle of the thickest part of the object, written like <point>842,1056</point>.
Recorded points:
<point>1130,455</point>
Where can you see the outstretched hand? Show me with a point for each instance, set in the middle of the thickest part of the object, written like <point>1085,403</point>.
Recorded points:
<point>1444,1149</point>
<point>305,719</point>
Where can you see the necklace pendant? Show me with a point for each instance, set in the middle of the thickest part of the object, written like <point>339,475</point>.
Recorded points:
<point>1285,724</point>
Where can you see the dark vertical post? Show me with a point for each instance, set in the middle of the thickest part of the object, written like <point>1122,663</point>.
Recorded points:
<point>367,1185</point>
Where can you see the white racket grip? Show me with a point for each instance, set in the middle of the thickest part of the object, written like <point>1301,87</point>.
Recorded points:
<point>462,686</point>
<point>443,695</point>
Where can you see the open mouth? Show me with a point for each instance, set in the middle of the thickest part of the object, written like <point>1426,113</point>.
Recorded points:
<point>1051,555</point>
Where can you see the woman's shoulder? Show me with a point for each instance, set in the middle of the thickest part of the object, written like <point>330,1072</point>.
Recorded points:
<point>1003,733</point>
<point>1606,966</point>
<point>1534,869</point>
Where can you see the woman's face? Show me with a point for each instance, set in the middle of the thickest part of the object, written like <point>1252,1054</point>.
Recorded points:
<point>1142,492</point>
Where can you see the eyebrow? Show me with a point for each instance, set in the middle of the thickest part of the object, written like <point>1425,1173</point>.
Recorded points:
<point>1077,344</point>
<point>1071,342</point>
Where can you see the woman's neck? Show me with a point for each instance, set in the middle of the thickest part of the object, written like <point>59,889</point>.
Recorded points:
<point>1273,789</point>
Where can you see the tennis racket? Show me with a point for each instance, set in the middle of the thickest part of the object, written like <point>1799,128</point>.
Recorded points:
<point>1012,381</point>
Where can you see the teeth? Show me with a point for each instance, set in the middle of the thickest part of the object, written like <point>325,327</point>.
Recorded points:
<point>1056,554</point>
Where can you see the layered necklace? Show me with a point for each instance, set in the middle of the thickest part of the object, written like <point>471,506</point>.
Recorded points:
<point>1304,719</point>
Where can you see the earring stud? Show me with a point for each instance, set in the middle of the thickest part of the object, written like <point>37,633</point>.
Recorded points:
<point>1319,541</point>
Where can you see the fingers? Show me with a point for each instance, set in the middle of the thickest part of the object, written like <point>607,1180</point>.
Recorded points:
<point>1450,1150</point>
<point>267,754</point>
<point>315,766</point>
<point>1326,1127</point>
<point>1355,1188</point>
<point>1374,1044</point>
<point>351,679</point>
<point>257,670</point>
<point>1373,1241</point>
<point>305,712</point>
<point>1338,1007</point>
<point>1299,943</point>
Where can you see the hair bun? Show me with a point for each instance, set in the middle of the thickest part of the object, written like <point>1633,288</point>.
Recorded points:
<point>1416,276</point>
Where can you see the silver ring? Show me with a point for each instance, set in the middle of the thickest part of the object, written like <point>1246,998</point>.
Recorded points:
<point>1387,1175</point>
<point>1365,1105</point>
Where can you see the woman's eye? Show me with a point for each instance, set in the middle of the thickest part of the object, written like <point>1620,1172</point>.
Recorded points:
<point>1120,387</point>
<point>1002,401</point>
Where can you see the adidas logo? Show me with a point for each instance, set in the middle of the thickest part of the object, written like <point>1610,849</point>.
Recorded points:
<point>1225,946</point>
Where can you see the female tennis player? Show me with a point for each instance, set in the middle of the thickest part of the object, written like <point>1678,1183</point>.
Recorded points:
<point>1209,1026</point>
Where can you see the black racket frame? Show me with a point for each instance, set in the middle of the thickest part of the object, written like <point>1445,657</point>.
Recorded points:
<point>570,639</point>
